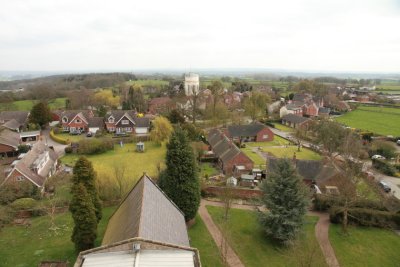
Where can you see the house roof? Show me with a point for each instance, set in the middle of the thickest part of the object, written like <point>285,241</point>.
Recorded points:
<point>296,105</point>
<point>25,165</point>
<point>96,122</point>
<point>131,115</point>
<point>19,116</point>
<point>71,114</point>
<point>9,138</point>
<point>245,130</point>
<point>142,122</point>
<point>294,118</point>
<point>12,124</point>
<point>146,212</point>
<point>160,100</point>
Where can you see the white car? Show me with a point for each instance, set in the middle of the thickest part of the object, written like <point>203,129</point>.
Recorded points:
<point>378,157</point>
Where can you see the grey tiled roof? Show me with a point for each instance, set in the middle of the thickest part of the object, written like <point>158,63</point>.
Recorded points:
<point>96,122</point>
<point>148,213</point>
<point>12,124</point>
<point>245,130</point>
<point>294,118</point>
<point>19,116</point>
<point>9,138</point>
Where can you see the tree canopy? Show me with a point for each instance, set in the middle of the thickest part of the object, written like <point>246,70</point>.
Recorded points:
<point>180,181</point>
<point>40,114</point>
<point>162,129</point>
<point>256,105</point>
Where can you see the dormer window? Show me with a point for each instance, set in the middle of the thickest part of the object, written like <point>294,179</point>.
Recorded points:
<point>111,119</point>
<point>65,119</point>
<point>125,122</point>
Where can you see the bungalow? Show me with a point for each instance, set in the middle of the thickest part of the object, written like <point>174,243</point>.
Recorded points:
<point>9,142</point>
<point>228,154</point>
<point>295,121</point>
<point>34,167</point>
<point>14,120</point>
<point>125,122</point>
<point>255,132</point>
<point>147,229</point>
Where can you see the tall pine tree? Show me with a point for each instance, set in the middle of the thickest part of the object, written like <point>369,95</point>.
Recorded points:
<point>85,222</point>
<point>85,174</point>
<point>286,198</point>
<point>180,181</point>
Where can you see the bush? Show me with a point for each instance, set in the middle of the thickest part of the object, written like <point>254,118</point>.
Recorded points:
<point>23,148</point>
<point>383,148</point>
<point>68,150</point>
<point>58,139</point>
<point>6,215</point>
<point>56,130</point>
<point>324,203</point>
<point>95,146</point>
<point>366,217</point>
<point>11,192</point>
<point>384,167</point>
<point>23,204</point>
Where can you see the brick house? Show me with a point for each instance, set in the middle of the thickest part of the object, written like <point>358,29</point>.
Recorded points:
<point>126,122</point>
<point>228,154</point>
<point>76,120</point>
<point>255,132</point>
<point>34,167</point>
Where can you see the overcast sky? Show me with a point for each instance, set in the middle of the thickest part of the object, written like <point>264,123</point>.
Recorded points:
<point>308,35</point>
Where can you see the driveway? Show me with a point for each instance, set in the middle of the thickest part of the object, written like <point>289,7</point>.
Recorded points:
<point>58,148</point>
<point>393,182</point>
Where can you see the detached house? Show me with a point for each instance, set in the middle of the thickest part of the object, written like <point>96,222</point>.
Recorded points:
<point>9,142</point>
<point>76,120</point>
<point>14,120</point>
<point>228,154</point>
<point>125,122</point>
<point>255,132</point>
<point>147,229</point>
<point>34,167</point>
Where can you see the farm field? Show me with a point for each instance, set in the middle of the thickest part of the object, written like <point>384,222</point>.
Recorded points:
<point>248,240</point>
<point>135,163</point>
<point>201,239</point>
<point>154,83</point>
<point>380,120</point>
<point>23,105</point>
<point>27,246</point>
<point>365,246</point>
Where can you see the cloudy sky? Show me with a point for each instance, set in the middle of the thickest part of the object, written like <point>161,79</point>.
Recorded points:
<point>308,35</point>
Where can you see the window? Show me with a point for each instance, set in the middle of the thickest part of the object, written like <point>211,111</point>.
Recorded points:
<point>128,129</point>
<point>65,119</point>
<point>265,136</point>
<point>111,119</point>
<point>20,178</point>
<point>77,120</point>
<point>125,122</point>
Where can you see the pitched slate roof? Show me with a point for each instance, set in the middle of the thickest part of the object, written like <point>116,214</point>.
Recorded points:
<point>19,116</point>
<point>70,114</point>
<point>131,114</point>
<point>9,138</point>
<point>142,122</point>
<point>294,118</point>
<point>12,124</point>
<point>245,130</point>
<point>148,213</point>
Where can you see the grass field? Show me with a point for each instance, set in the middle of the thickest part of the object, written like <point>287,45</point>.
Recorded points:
<point>248,240</point>
<point>283,128</point>
<point>56,103</point>
<point>135,163</point>
<point>155,83</point>
<point>27,246</point>
<point>380,120</point>
<point>201,239</point>
<point>365,247</point>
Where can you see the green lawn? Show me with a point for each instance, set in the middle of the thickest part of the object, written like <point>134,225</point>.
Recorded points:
<point>257,159</point>
<point>135,163</point>
<point>278,141</point>
<point>71,138</point>
<point>26,246</point>
<point>155,83</point>
<point>209,169</point>
<point>201,239</point>
<point>283,128</point>
<point>380,120</point>
<point>255,249</point>
<point>288,152</point>
<point>365,246</point>
<point>56,103</point>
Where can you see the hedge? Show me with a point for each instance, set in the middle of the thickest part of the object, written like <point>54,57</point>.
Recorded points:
<point>95,146</point>
<point>384,167</point>
<point>23,204</point>
<point>366,217</point>
<point>58,139</point>
<point>324,203</point>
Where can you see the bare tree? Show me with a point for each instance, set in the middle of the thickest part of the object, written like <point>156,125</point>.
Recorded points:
<point>227,199</point>
<point>119,169</point>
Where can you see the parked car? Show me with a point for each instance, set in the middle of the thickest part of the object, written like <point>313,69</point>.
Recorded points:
<point>384,186</point>
<point>398,142</point>
<point>89,134</point>
<point>75,132</point>
<point>378,157</point>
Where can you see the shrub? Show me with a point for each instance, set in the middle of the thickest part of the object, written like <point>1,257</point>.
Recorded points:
<point>384,167</point>
<point>23,204</point>
<point>23,148</point>
<point>11,192</point>
<point>95,146</point>
<point>68,150</point>
<point>6,215</point>
<point>324,203</point>
<point>56,130</point>
<point>366,217</point>
<point>383,148</point>
<point>58,139</point>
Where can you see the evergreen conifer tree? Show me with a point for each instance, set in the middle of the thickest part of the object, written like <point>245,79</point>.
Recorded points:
<point>286,198</point>
<point>85,174</point>
<point>180,180</point>
<point>83,213</point>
